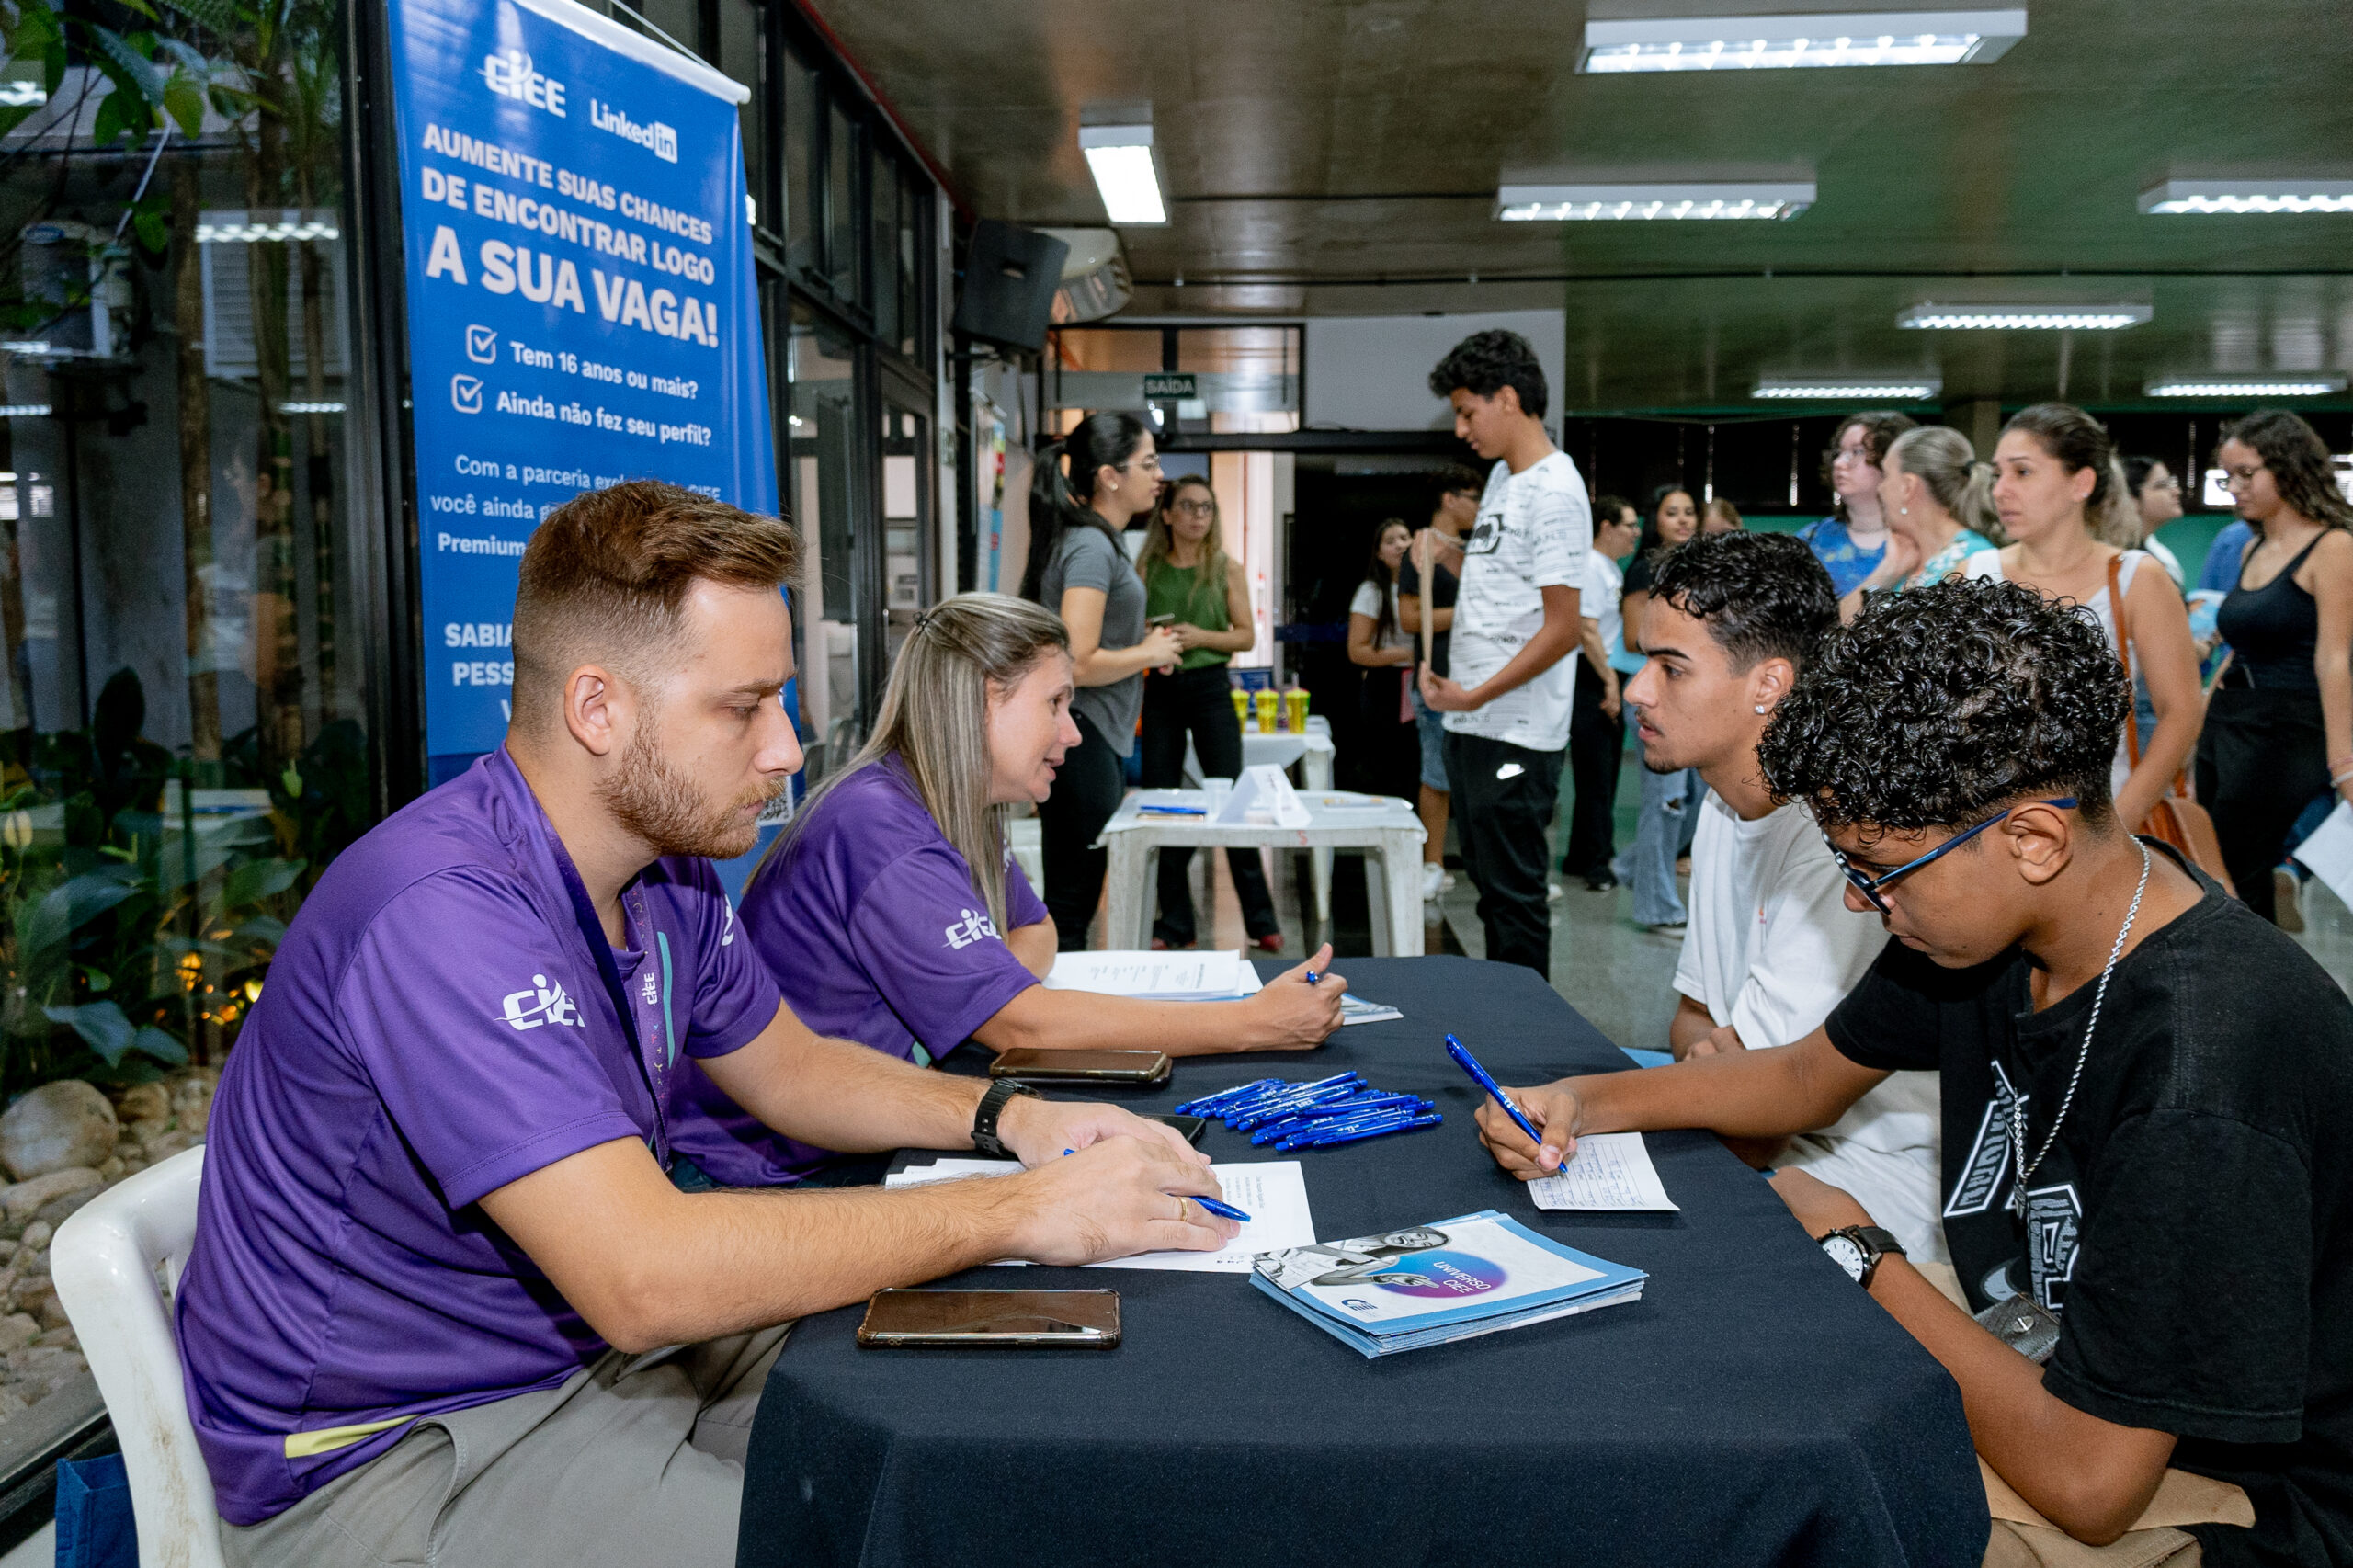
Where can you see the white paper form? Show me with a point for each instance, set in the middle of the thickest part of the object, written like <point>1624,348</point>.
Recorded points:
<point>1164,977</point>
<point>2329,852</point>
<point>1272,1192</point>
<point>1609,1170</point>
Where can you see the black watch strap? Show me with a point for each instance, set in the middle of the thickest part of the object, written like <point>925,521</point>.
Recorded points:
<point>984,1138</point>
<point>1876,1242</point>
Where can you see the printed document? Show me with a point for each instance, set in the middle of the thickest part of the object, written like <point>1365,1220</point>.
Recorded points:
<point>1272,1192</point>
<point>1161,977</point>
<point>1609,1170</point>
<point>2329,852</point>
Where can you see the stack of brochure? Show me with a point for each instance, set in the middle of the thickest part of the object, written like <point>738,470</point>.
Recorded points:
<point>1435,1284</point>
<point>1162,977</point>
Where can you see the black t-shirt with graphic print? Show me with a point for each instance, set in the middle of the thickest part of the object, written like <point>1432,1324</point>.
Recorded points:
<point>2190,1225</point>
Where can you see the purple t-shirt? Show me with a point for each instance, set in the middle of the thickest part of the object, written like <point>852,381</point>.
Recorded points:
<point>444,1018</point>
<point>869,921</point>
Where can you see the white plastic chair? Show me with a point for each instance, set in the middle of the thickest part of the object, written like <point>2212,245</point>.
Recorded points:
<point>103,1261</point>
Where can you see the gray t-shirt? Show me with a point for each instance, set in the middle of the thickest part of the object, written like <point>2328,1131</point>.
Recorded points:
<point>1087,558</point>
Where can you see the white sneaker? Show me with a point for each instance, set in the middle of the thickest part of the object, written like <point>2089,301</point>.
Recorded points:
<point>1434,879</point>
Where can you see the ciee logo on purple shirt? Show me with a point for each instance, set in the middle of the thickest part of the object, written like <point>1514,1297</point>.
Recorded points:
<point>541,1004</point>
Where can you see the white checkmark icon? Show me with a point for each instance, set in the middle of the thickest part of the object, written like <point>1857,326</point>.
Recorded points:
<point>465,393</point>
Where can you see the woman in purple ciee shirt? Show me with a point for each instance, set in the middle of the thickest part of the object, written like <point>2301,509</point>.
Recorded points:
<point>892,911</point>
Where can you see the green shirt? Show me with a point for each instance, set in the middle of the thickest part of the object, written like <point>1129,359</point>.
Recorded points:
<point>1190,595</point>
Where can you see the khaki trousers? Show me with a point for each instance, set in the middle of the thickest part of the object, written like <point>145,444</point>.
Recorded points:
<point>633,1460</point>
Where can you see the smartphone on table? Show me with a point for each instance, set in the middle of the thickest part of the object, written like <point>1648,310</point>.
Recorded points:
<point>1034,1066</point>
<point>1008,1320</point>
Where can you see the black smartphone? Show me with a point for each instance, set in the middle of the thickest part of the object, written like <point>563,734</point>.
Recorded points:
<point>1081,1066</point>
<point>1012,1319</point>
<point>1188,1128</point>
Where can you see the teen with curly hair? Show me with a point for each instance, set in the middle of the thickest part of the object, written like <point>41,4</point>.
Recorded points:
<point>2146,1188</point>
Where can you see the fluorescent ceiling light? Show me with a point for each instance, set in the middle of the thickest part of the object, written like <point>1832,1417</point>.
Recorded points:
<point>309,408</point>
<point>2318,383</point>
<point>22,94</point>
<point>1849,389</point>
<point>1120,156</point>
<point>2249,195</point>
<point>24,411</point>
<point>1619,45</point>
<point>1651,199</point>
<point>2005,317</point>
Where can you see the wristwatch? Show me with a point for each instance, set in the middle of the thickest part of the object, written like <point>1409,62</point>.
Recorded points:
<point>984,1136</point>
<point>1858,1249</point>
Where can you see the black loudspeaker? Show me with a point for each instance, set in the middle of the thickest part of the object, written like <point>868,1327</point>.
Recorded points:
<point>1010,276</point>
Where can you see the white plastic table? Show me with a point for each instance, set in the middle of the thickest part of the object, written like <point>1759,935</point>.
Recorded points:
<point>1314,751</point>
<point>1386,829</point>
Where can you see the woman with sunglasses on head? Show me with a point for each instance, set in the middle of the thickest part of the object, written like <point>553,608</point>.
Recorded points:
<point>2061,495</point>
<point>1078,569</point>
<point>1671,799</point>
<point>1850,541</point>
<point>2279,731</point>
<point>1188,576</point>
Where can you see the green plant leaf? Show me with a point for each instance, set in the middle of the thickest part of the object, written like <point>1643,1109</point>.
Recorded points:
<point>154,230</point>
<point>184,101</point>
<point>154,1042</point>
<point>99,979</point>
<point>101,1025</point>
<point>216,16</point>
<point>69,906</point>
<point>130,67</point>
<point>257,880</point>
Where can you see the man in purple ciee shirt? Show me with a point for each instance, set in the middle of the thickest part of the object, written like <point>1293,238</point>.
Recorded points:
<point>444,1304</point>
<point>874,924</point>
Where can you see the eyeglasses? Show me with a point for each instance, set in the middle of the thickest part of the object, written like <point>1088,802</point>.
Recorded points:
<point>1869,887</point>
<point>1196,508</point>
<point>2235,477</point>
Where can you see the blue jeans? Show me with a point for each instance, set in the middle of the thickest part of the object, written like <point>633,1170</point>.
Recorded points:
<point>1670,816</point>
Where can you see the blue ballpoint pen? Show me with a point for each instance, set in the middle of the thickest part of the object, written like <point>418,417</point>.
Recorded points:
<point>1171,811</point>
<point>1223,1210</point>
<point>1469,1065</point>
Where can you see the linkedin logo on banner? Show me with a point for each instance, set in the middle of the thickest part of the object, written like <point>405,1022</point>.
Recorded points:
<point>581,306</point>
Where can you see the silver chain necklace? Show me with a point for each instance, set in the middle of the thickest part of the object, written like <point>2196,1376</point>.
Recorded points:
<point>2025,1168</point>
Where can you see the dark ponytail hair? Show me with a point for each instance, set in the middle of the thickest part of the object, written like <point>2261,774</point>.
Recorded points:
<point>1106,439</point>
<point>2078,441</point>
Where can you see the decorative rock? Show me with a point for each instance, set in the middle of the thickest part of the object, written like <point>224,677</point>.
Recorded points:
<point>21,1201</point>
<point>37,1234</point>
<point>57,1208</point>
<point>16,1331</point>
<point>144,1102</point>
<point>53,1314</point>
<point>110,1167</point>
<point>31,1295</point>
<point>54,1128</point>
<point>57,1339</point>
<point>158,1149</point>
<point>146,1128</point>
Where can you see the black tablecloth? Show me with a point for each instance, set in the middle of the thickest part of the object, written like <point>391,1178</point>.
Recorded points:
<point>1754,1407</point>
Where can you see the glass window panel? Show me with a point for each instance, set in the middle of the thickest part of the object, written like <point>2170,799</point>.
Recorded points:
<point>907,517</point>
<point>804,107</point>
<point>181,655</point>
<point>841,204</point>
<point>821,452</point>
<point>1248,377</point>
<point>882,186</point>
<point>914,275</point>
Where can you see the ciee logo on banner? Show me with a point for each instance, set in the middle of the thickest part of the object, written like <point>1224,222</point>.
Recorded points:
<point>510,75</point>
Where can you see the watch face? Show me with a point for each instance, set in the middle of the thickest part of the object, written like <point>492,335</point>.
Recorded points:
<point>1846,1254</point>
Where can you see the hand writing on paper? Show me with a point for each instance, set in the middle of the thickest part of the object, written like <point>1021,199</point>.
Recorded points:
<point>1115,1197</point>
<point>1555,1111</point>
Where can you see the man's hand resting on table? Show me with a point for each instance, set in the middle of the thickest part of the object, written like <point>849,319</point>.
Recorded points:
<point>1555,1111</point>
<point>1116,1197</point>
<point>1040,1130</point>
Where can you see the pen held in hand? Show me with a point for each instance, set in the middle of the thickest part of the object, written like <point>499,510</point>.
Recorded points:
<point>1470,1064</point>
<point>1223,1210</point>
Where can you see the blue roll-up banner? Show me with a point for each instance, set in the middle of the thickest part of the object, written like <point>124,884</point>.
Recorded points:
<point>581,307</point>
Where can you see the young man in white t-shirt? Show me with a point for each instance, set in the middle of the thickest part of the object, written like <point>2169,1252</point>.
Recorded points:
<point>1772,946</point>
<point>1516,621</point>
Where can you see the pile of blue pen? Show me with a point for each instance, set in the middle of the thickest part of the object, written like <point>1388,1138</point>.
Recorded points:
<point>1339,1110</point>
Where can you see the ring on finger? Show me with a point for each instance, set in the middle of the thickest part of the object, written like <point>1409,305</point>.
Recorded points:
<point>1180,1208</point>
